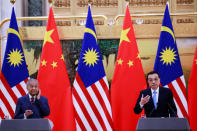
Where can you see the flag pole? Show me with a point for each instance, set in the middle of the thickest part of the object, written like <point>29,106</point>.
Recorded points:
<point>167,3</point>
<point>50,2</point>
<point>127,3</point>
<point>12,1</point>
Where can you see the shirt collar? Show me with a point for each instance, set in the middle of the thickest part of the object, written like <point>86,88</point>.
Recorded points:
<point>31,97</point>
<point>155,90</point>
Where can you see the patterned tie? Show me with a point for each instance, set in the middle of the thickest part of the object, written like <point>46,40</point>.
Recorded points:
<point>32,100</point>
<point>155,99</point>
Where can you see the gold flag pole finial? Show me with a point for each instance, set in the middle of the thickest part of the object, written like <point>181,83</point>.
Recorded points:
<point>50,1</point>
<point>12,1</point>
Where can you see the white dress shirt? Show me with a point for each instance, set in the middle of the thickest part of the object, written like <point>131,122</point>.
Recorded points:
<point>157,94</point>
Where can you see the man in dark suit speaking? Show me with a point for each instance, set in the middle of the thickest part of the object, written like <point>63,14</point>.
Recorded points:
<point>157,101</point>
<point>32,105</point>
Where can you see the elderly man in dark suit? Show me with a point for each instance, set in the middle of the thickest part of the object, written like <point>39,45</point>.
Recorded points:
<point>32,105</point>
<point>157,101</point>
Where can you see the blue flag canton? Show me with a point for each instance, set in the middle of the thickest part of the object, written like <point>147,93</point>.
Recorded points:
<point>90,67</point>
<point>14,67</point>
<point>167,62</point>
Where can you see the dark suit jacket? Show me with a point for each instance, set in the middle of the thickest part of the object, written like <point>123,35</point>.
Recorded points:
<point>165,105</point>
<point>40,107</point>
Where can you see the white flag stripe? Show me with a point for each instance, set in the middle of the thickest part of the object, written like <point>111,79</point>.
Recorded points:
<point>99,107</point>
<point>87,105</point>
<point>7,96</point>
<point>180,94</point>
<point>166,86</point>
<point>179,113</point>
<point>81,115</point>
<point>16,92</point>
<point>183,80</point>
<point>106,82</point>
<point>77,126</point>
<point>4,109</point>
<point>24,86</point>
<point>105,99</point>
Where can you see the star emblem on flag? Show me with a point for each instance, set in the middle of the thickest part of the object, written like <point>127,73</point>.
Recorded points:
<point>54,64</point>
<point>130,63</point>
<point>168,56</point>
<point>124,35</point>
<point>44,63</point>
<point>120,61</point>
<point>47,37</point>
<point>15,57</point>
<point>90,57</point>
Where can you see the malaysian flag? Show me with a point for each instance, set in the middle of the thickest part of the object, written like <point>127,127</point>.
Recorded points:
<point>14,73</point>
<point>168,65</point>
<point>91,91</point>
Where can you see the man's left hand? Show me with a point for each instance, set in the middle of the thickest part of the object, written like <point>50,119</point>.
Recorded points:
<point>39,94</point>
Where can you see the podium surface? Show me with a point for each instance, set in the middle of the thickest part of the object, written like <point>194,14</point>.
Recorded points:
<point>163,124</point>
<point>25,125</point>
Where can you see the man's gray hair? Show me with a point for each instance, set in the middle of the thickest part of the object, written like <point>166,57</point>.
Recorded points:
<point>31,79</point>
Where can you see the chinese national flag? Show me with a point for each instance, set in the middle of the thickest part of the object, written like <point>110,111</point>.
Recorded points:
<point>128,79</point>
<point>192,91</point>
<point>53,80</point>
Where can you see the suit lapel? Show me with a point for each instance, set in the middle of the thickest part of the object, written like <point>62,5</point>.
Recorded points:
<point>27,99</point>
<point>160,96</point>
<point>151,98</point>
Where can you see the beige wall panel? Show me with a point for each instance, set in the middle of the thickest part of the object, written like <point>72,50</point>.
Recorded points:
<point>110,32</point>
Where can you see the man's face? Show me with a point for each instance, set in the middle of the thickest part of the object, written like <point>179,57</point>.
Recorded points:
<point>153,81</point>
<point>33,88</point>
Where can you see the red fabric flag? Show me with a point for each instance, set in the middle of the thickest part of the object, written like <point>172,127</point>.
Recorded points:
<point>192,91</point>
<point>128,79</point>
<point>53,80</point>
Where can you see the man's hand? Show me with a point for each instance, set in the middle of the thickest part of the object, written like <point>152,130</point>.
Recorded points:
<point>39,94</point>
<point>144,100</point>
<point>28,113</point>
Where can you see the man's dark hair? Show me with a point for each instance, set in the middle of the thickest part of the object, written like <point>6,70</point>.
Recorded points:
<point>150,73</point>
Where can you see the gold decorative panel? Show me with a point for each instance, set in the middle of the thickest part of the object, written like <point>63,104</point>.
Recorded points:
<point>184,2</point>
<point>113,8</point>
<point>98,3</point>
<point>147,2</point>
<point>62,3</point>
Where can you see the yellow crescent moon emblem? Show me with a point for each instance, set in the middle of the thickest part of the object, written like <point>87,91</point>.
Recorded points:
<point>88,30</point>
<point>166,29</point>
<point>13,31</point>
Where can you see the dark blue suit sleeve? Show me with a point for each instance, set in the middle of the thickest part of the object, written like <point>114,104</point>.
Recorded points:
<point>44,106</point>
<point>18,112</point>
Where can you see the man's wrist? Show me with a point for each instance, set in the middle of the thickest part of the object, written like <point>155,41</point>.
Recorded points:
<point>141,106</point>
<point>25,117</point>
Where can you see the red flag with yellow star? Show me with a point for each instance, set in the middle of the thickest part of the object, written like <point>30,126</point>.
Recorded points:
<point>192,91</point>
<point>53,80</point>
<point>128,79</point>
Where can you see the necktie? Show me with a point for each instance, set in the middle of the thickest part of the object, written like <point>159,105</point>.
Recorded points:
<point>32,100</point>
<point>155,99</point>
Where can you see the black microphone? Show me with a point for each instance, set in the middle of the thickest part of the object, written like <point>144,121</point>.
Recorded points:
<point>152,110</point>
<point>173,111</point>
